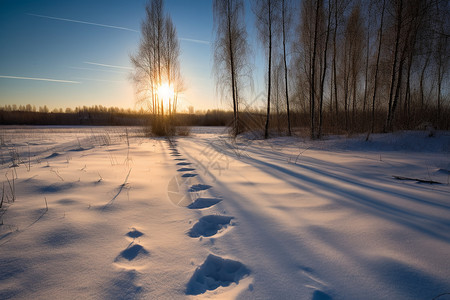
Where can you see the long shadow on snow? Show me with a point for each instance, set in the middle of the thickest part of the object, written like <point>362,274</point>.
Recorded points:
<point>282,158</point>
<point>284,255</point>
<point>355,199</point>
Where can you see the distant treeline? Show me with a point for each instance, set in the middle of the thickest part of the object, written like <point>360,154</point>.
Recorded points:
<point>102,116</point>
<point>250,120</point>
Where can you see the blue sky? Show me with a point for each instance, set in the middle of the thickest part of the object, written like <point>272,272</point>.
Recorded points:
<point>84,46</point>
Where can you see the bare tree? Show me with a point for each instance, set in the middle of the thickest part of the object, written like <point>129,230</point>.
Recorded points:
<point>375,80</point>
<point>352,62</point>
<point>157,59</point>
<point>357,29</point>
<point>266,14</point>
<point>397,62</point>
<point>278,88</point>
<point>442,50</point>
<point>286,23</point>
<point>309,39</point>
<point>338,8</point>
<point>230,51</point>
<point>147,62</point>
<point>368,48</point>
<point>324,67</point>
<point>170,58</point>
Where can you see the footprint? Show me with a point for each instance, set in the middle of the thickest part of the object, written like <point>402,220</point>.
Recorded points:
<point>319,295</point>
<point>189,175</point>
<point>203,203</point>
<point>134,233</point>
<point>132,252</point>
<point>186,169</point>
<point>209,225</point>
<point>199,187</point>
<point>216,272</point>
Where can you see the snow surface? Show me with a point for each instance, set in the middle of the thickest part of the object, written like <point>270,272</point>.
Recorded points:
<point>204,216</point>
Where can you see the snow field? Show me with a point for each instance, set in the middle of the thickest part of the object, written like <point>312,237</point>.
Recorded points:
<point>111,230</point>
<point>207,217</point>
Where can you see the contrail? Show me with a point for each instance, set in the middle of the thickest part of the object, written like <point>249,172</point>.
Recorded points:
<point>105,65</point>
<point>39,79</point>
<point>83,22</point>
<point>99,70</point>
<point>102,80</point>
<point>195,41</point>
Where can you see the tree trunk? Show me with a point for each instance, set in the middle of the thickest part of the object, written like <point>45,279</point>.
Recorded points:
<point>283,12</point>
<point>266,131</point>
<point>334,62</point>
<point>377,66</point>
<point>324,70</point>
<point>367,66</point>
<point>233,81</point>
<point>422,75</point>
<point>394,64</point>
<point>313,71</point>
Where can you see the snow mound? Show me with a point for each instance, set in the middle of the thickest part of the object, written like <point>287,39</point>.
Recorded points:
<point>54,154</point>
<point>216,272</point>
<point>67,201</point>
<point>79,149</point>
<point>57,187</point>
<point>61,237</point>
<point>124,286</point>
<point>209,225</point>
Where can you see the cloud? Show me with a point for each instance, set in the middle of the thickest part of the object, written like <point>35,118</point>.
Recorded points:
<point>105,65</point>
<point>39,79</point>
<point>83,22</point>
<point>195,41</point>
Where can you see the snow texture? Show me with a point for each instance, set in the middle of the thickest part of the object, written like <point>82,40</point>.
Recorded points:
<point>106,213</point>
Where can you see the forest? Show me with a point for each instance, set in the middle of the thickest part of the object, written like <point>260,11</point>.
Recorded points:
<point>345,66</point>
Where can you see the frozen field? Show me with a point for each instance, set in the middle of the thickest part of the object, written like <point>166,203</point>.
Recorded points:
<point>106,213</point>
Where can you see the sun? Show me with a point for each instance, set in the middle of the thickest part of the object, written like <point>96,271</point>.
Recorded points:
<point>165,92</point>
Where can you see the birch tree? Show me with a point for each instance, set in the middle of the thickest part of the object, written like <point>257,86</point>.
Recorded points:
<point>230,52</point>
<point>266,14</point>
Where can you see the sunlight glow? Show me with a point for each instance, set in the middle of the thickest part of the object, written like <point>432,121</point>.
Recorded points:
<point>165,92</point>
